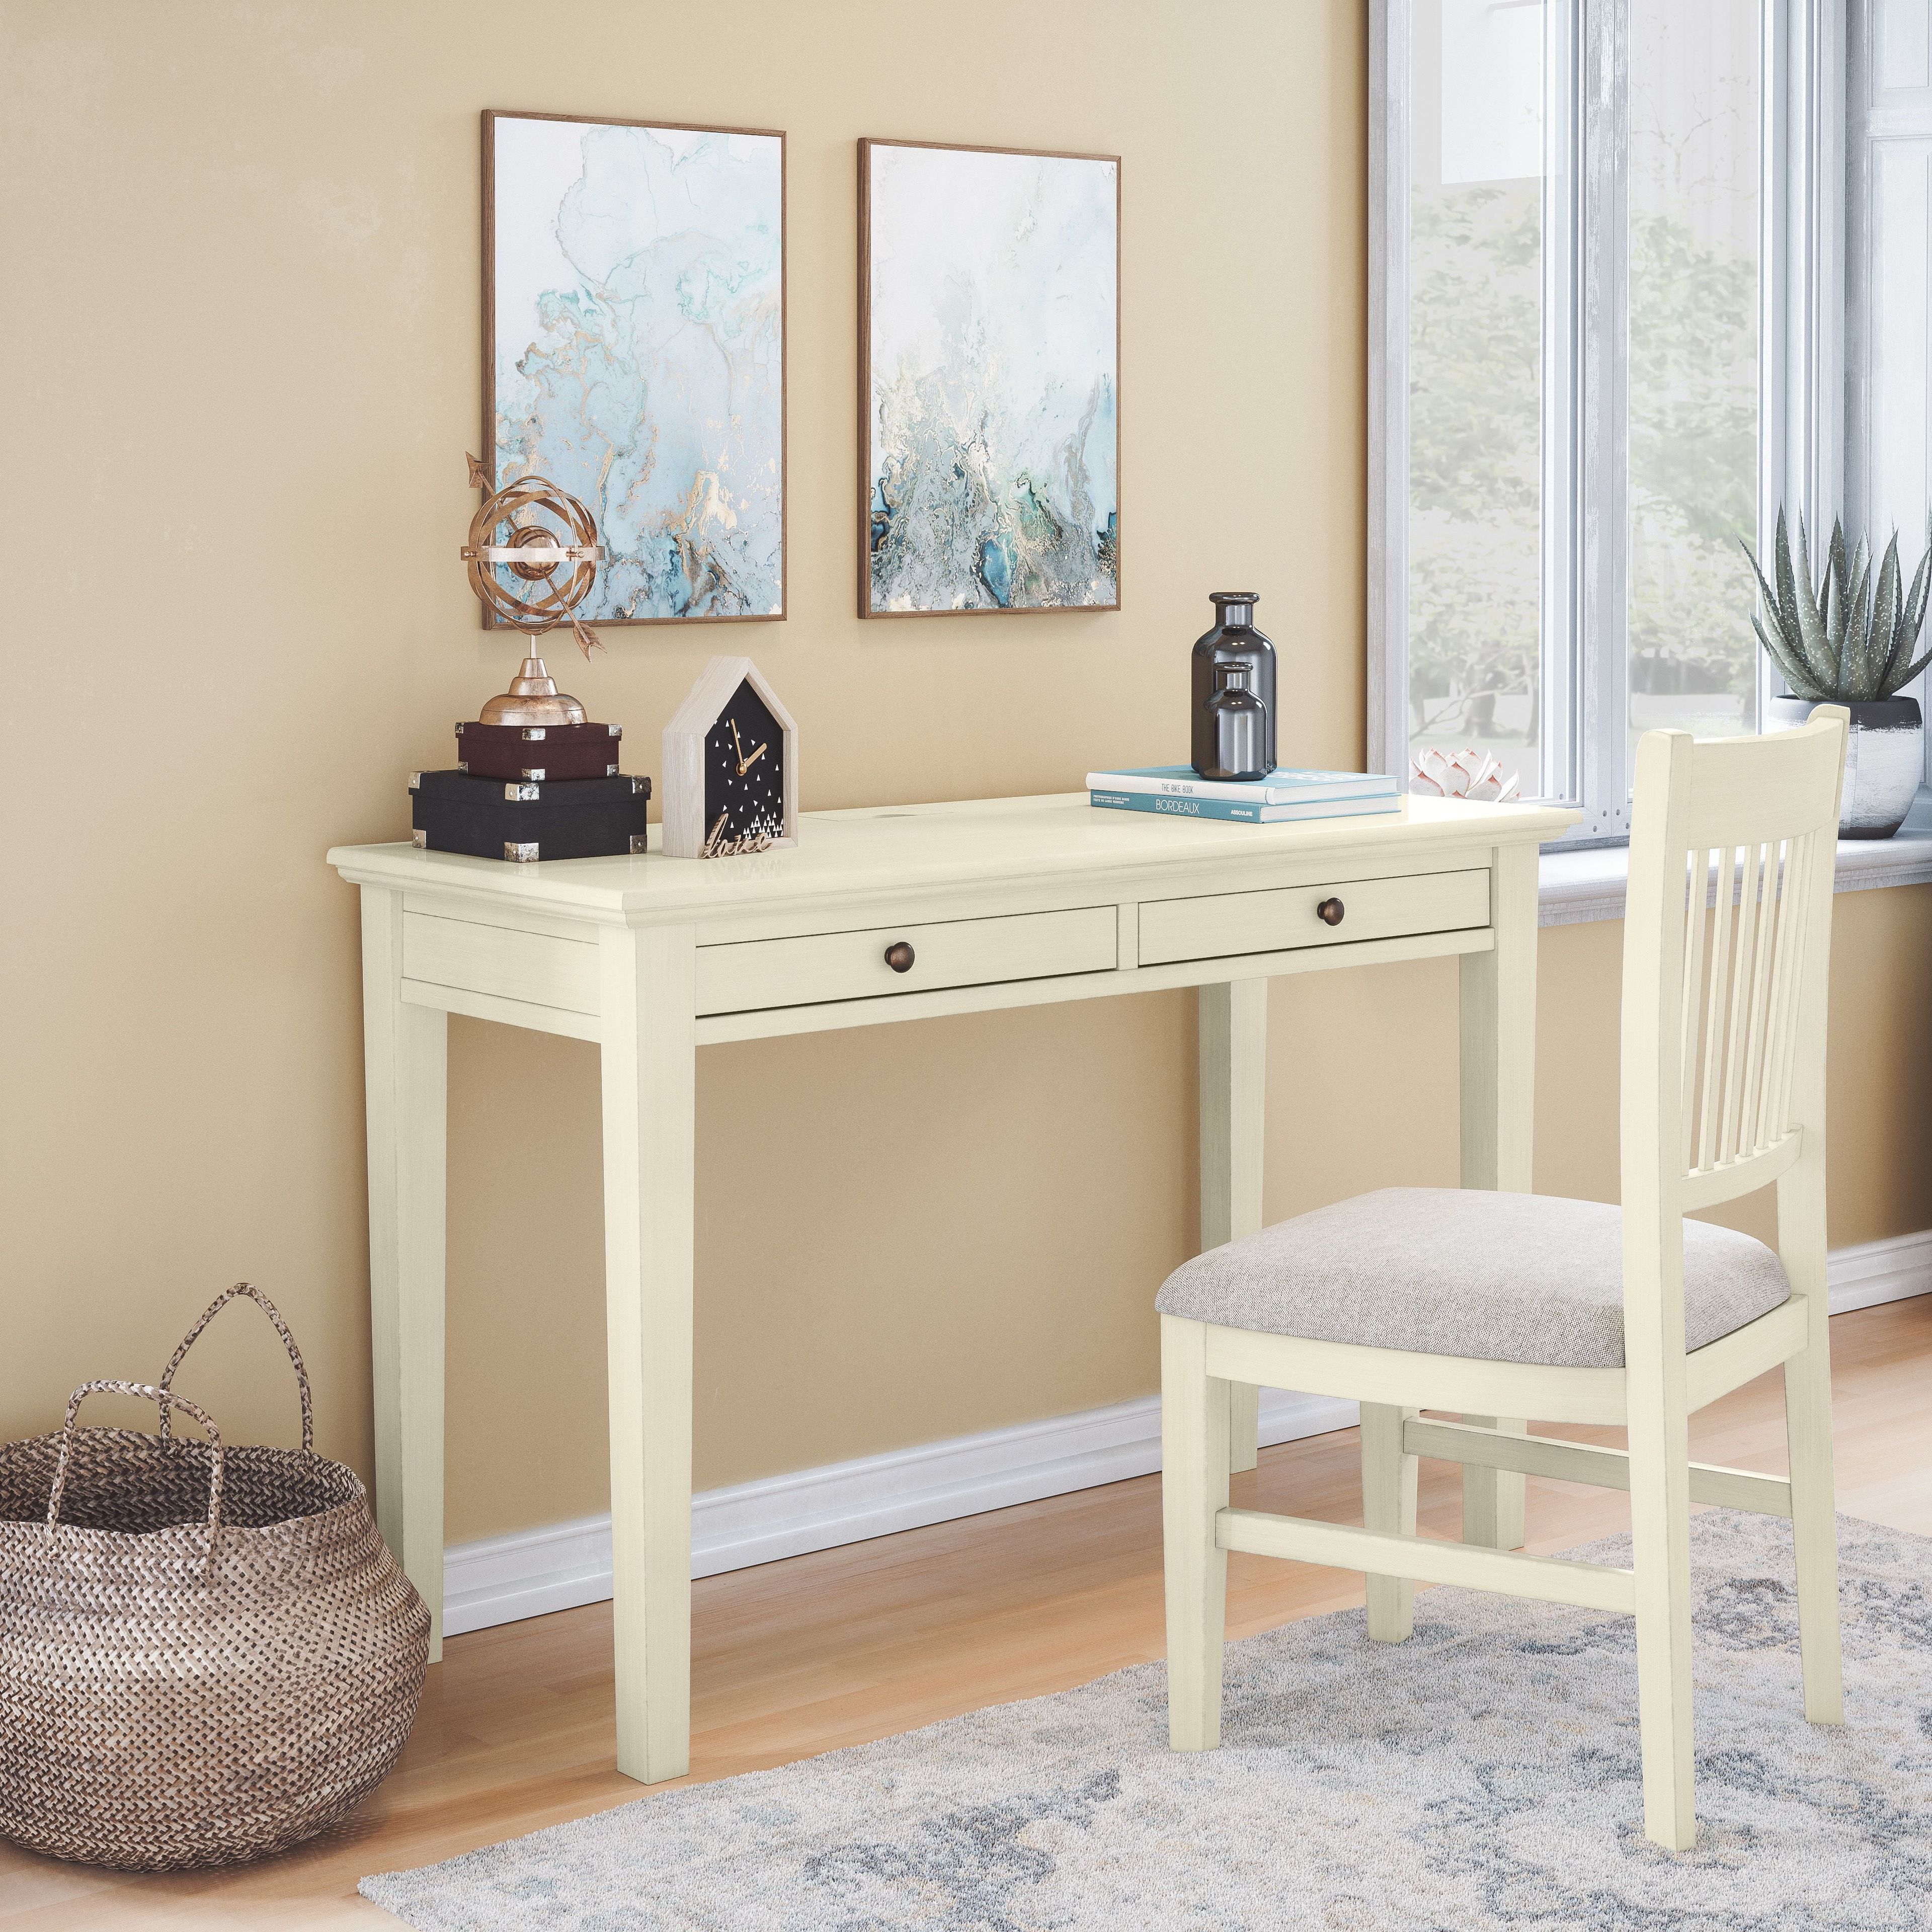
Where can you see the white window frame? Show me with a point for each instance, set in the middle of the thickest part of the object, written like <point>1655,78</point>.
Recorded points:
<point>1870,125</point>
<point>1800,367</point>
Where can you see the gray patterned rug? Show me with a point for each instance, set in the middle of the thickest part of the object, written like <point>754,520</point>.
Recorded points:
<point>1484,1774</point>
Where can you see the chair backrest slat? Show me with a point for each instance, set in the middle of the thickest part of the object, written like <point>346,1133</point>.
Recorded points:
<point>1757,898</point>
<point>1690,1009</point>
<point>1774,1095</point>
<point>1711,1000</point>
<point>1774,945</point>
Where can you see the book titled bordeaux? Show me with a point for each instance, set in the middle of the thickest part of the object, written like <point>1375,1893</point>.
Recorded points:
<point>1285,796</point>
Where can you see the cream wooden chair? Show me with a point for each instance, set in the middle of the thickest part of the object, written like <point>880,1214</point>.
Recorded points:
<point>1524,1305</point>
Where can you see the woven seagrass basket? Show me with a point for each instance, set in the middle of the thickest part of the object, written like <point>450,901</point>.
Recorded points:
<point>207,1654</point>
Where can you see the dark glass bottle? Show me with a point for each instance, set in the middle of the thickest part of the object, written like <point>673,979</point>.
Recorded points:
<point>1240,727</point>
<point>1234,640</point>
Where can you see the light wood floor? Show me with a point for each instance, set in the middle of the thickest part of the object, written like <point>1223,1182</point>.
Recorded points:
<point>805,1656</point>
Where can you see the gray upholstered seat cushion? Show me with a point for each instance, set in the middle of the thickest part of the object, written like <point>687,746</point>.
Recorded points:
<point>1447,1271</point>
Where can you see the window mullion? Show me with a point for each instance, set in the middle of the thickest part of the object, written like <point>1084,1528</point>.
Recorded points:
<point>1805,171</point>
<point>1562,774</point>
<point>1602,527</point>
<point>1802,385</point>
<point>1387,724</point>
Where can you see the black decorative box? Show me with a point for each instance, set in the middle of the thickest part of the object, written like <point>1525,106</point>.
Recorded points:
<point>537,752</point>
<point>516,819</point>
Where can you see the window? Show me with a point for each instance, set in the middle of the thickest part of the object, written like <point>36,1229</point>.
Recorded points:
<point>1478,386</point>
<point>1693,224</point>
<point>1579,402</point>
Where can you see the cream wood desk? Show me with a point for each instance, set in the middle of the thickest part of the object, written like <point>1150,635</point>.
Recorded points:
<point>1006,902</point>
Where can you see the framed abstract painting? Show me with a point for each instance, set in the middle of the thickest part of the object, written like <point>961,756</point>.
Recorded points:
<point>989,380</point>
<point>634,351</point>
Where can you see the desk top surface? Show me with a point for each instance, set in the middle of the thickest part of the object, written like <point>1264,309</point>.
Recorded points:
<point>879,849</point>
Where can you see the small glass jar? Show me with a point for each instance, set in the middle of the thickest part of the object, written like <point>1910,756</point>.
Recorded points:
<point>1240,722</point>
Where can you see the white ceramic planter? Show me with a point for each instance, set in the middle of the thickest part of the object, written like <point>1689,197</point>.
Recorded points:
<point>1884,761</point>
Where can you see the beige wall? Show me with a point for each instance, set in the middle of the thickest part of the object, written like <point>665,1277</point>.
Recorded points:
<point>241,331</point>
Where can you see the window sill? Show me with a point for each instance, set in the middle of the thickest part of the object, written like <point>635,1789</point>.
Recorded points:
<point>1576,887</point>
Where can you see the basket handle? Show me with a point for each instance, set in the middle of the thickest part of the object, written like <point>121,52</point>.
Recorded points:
<point>268,1309</point>
<point>167,1399</point>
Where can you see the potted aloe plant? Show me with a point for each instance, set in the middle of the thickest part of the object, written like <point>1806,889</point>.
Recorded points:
<point>1850,641</point>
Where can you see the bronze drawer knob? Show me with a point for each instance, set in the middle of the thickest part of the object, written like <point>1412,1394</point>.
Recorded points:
<point>1330,912</point>
<point>899,956</point>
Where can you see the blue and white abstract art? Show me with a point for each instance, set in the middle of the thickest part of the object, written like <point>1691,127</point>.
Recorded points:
<point>636,314</point>
<point>991,358</point>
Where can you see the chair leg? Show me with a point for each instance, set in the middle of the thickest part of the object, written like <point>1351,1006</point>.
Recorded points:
<point>1492,1499</point>
<point>1244,1416</point>
<point>1388,1504</point>
<point>1660,1471</point>
<point>1814,1527</point>
<point>1193,1491</point>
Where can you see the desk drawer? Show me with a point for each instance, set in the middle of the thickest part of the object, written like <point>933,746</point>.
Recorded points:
<point>757,973</point>
<point>1225,923</point>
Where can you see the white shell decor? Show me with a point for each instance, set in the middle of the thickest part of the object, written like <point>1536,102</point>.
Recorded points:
<point>1463,774</point>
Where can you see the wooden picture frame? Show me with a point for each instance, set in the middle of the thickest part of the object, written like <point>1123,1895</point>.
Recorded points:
<point>593,491</point>
<point>684,738</point>
<point>869,336</point>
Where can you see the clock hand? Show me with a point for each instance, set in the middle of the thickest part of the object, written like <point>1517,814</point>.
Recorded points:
<point>735,741</point>
<point>745,764</point>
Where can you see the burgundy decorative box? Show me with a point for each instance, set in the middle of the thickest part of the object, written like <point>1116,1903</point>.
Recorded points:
<point>537,752</point>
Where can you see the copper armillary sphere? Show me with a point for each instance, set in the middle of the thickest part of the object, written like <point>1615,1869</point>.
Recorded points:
<point>535,553</point>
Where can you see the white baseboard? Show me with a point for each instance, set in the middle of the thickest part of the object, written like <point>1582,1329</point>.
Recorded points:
<point>532,1572</point>
<point>1875,1271</point>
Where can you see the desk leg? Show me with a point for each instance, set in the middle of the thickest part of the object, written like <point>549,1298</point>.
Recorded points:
<point>406,1074</point>
<point>649,1067</point>
<point>1498,1075</point>
<point>1234,1092</point>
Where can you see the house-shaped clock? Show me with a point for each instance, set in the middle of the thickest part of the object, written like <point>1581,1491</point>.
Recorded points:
<point>730,766</point>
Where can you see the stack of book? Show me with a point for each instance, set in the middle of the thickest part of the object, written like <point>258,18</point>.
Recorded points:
<point>1284,796</point>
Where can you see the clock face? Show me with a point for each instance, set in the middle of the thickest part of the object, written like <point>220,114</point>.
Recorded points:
<point>744,771</point>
